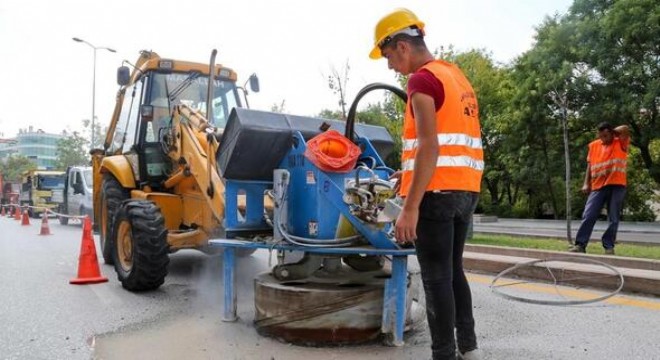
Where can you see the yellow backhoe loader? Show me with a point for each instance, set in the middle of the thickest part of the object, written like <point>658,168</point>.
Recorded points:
<point>156,188</point>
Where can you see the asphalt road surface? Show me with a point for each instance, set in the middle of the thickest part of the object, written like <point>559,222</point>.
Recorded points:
<point>44,317</point>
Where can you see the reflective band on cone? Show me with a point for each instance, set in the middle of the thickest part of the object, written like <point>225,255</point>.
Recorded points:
<point>45,230</point>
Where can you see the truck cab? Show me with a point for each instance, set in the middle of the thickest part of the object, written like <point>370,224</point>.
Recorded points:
<point>37,189</point>
<point>76,196</point>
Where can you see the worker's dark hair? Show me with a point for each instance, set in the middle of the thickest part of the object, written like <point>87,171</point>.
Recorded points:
<point>605,126</point>
<point>417,42</point>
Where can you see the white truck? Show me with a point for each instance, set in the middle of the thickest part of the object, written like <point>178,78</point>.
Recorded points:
<point>76,197</point>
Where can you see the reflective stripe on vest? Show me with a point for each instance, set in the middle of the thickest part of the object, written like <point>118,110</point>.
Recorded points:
<point>460,161</point>
<point>447,139</point>
<point>449,161</point>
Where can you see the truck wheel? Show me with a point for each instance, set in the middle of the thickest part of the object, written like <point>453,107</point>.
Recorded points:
<point>141,249</point>
<point>63,220</point>
<point>112,195</point>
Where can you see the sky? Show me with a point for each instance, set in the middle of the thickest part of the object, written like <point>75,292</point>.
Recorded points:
<point>46,79</point>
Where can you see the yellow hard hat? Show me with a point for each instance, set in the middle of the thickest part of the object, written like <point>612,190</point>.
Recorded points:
<point>399,19</point>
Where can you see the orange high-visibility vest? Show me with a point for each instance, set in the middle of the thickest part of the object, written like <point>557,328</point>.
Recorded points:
<point>460,162</point>
<point>607,163</point>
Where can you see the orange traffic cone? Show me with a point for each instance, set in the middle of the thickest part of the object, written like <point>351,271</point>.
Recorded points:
<point>17,213</point>
<point>26,218</point>
<point>88,263</point>
<point>45,230</point>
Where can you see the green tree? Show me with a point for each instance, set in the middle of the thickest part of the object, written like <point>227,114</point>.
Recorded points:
<point>562,78</point>
<point>278,108</point>
<point>330,114</point>
<point>72,150</point>
<point>618,42</point>
<point>493,87</point>
<point>16,165</point>
<point>338,83</point>
<point>99,133</point>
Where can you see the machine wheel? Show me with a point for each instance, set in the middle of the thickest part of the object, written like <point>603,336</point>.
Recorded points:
<point>112,195</point>
<point>141,249</point>
<point>63,220</point>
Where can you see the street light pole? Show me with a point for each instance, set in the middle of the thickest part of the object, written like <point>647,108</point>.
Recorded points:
<point>93,80</point>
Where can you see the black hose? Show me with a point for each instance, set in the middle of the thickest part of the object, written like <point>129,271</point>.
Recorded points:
<point>350,120</point>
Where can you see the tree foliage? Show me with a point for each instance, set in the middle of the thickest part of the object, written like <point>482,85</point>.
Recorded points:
<point>99,133</point>
<point>618,42</point>
<point>16,165</point>
<point>278,108</point>
<point>338,82</point>
<point>599,62</point>
<point>72,150</point>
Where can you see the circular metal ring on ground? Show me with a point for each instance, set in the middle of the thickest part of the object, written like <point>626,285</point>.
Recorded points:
<point>615,273</point>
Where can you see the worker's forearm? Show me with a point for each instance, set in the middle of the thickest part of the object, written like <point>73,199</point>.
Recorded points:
<point>587,175</point>
<point>622,130</point>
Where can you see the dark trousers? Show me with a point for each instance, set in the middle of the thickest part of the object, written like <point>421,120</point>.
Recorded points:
<point>612,195</point>
<point>441,232</point>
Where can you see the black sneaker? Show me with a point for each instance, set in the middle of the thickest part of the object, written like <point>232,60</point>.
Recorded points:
<point>577,249</point>
<point>470,355</point>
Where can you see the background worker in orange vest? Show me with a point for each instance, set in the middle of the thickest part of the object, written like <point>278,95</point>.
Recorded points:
<point>442,164</point>
<point>605,182</point>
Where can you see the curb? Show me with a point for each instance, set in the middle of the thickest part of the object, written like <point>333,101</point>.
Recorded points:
<point>640,275</point>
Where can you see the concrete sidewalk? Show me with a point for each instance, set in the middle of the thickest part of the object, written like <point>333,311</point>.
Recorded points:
<point>640,275</point>
<point>631,232</point>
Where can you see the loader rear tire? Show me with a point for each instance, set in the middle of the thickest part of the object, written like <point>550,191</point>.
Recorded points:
<point>141,249</point>
<point>112,195</point>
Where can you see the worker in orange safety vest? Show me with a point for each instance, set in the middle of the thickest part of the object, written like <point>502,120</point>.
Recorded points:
<point>605,182</point>
<point>442,164</point>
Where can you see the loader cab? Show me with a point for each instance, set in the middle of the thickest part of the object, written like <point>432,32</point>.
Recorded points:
<point>146,115</point>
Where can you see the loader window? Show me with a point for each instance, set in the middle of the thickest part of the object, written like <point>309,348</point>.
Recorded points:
<point>190,89</point>
<point>126,128</point>
<point>161,119</point>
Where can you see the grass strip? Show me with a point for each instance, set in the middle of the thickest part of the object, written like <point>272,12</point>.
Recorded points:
<point>622,249</point>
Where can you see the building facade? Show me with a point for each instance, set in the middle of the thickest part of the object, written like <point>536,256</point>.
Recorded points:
<point>38,146</point>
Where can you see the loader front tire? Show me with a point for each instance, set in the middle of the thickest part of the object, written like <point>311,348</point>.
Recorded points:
<point>141,249</point>
<point>112,195</point>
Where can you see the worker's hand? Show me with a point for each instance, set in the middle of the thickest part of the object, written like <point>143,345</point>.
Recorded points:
<point>586,189</point>
<point>396,177</point>
<point>405,229</point>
